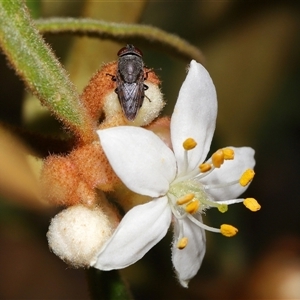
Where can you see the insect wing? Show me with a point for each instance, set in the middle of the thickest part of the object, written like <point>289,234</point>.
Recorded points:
<point>131,95</point>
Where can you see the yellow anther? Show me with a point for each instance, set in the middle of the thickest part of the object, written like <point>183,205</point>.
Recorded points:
<point>189,144</point>
<point>247,177</point>
<point>218,158</point>
<point>182,243</point>
<point>228,230</point>
<point>192,207</point>
<point>252,204</point>
<point>205,167</point>
<point>223,208</point>
<point>228,153</point>
<point>185,199</point>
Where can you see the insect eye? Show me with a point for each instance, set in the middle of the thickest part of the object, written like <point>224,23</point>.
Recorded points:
<point>138,51</point>
<point>122,51</point>
<point>130,49</point>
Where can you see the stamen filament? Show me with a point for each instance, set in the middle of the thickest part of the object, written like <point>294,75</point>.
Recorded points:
<point>231,201</point>
<point>185,158</point>
<point>198,223</point>
<point>174,211</point>
<point>180,224</point>
<point>201,175</point>
<point>194,174</point>
<point>187,145</point>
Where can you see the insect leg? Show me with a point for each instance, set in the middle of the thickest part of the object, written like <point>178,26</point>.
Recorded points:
<point>113,77</point>
<point>146,87</point>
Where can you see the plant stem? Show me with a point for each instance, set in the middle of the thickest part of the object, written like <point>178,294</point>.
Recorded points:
<point>121,32</point>
<point>34,61</point>
<point>107,285</point>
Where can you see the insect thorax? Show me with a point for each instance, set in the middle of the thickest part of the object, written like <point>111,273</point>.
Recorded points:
<point>130,68</point>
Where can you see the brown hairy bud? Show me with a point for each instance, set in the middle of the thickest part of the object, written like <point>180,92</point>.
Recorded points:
<point>61,184</point>
<point>93,166</point>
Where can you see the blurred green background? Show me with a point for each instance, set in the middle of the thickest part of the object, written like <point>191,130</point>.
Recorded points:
<point>251,50</point>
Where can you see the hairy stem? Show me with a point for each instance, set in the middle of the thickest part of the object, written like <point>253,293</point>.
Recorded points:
<point>34,61</point>
<point>121,32</point>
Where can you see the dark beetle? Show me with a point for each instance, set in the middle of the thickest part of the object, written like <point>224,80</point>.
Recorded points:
<point>130,81</point>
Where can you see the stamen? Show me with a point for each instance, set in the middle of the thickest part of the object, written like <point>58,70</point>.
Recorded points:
<point>247,177</point>
<point>178,215</point>
<point>252,204</point>
<point>182,243</point>
<point>228,153</point>
<point>192,207</point>
<point>218,158</point>
<point>180,223</point>
<point>182,240</point>
<point>228,230</point>
<point>231,201</point>
<point>205,167</point>
<point>189,144</point>
<point>201,225</point>
<point>185,199</point>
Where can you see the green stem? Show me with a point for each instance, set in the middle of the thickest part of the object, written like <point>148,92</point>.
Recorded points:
<point>107,285</point>
<point>34,61</point>
<point>121,32</point>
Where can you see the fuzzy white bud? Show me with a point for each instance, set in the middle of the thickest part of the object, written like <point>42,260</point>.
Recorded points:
<point>77,234</point>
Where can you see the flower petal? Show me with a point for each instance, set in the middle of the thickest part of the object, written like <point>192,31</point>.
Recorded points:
<point>140,158</point>
<point>231,170</point>
<point>140,229</point>
<point>188,260</point>
<point>194,116</point>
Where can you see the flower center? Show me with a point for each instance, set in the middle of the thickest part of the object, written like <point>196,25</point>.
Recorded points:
<point>189,197</point>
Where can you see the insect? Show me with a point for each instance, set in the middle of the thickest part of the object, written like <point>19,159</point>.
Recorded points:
<point>130,81</point>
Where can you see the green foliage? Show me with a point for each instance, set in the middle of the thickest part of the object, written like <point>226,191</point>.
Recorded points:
<point>34,61</point>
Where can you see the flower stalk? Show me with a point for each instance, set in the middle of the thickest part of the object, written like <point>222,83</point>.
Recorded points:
<point>107,285</point>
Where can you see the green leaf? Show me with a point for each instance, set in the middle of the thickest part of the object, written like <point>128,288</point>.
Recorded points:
<point>34,61</point>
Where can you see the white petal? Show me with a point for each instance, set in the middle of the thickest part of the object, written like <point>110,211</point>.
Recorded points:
<point>140,158</point>
<point>140,229</point>
<point>231,170</point>
<point>188,260</point>
<point>194,116</point>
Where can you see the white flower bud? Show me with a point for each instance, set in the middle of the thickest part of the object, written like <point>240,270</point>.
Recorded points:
<point>152,105</point>
<point>77,233</point>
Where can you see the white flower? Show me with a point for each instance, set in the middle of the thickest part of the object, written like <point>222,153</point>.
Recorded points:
<point>181,184</point>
